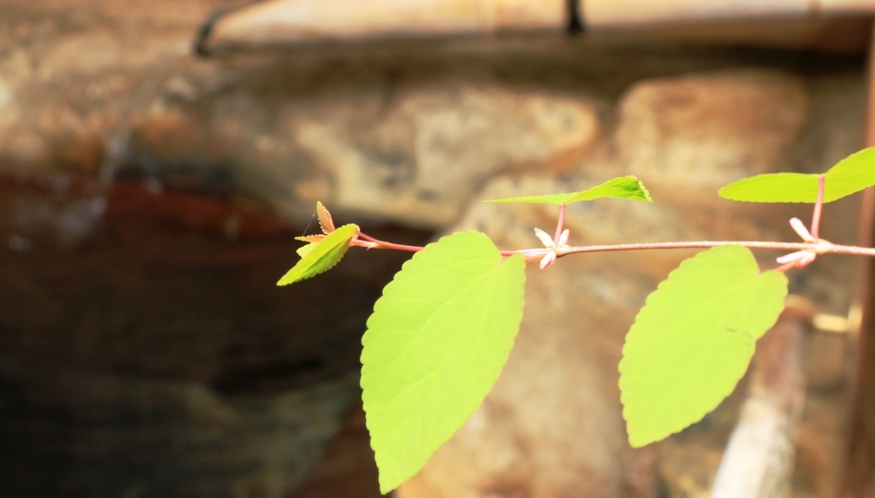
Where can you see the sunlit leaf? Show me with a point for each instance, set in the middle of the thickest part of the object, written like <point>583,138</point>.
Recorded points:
<point>626,187</point>
<point>435,345</point>
<point>774,187</point>
<point>852,174</point>
<point>693,340</point>
<point>322,257</point>
<point>305,250</point>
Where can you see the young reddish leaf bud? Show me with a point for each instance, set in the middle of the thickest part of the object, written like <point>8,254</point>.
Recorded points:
<point>325,221</point>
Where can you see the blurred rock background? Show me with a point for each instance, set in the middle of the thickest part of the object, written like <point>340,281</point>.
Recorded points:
<point>149,199</point>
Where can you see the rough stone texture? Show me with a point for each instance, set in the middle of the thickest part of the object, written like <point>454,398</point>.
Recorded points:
<point>700,129</point>
<point>70,70</point>
<point>410,136</point>
<point>430,148</point>
<point>408,132</point>
<point>412,152</point>
<point>552,425</point>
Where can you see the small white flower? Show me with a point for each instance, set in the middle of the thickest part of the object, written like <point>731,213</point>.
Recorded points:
<point>804,257</point>
<point>550,256</point>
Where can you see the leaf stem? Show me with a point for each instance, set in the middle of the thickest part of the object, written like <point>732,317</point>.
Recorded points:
<point>382,244</point>
<point>559,224</point>
<point>818,207</point>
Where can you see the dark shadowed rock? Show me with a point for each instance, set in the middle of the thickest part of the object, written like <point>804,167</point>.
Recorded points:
<point>147,350</point>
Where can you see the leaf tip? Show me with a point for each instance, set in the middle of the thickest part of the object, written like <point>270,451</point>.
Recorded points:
<point>644,191</point>
<point>387,486</point>
<point>637,442</point>
<point>729,193</point>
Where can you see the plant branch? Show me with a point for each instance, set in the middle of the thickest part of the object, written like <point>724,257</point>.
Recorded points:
<point>822,247</point>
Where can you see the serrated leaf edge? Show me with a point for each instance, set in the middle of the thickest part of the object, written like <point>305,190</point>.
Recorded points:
<point>501,262</point>
<point>685,262</point>
<point>355,228</point>
<point>755,177</point>
<point>572,195</point>
<point>641,186</point>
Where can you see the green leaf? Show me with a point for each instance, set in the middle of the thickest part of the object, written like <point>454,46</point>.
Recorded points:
<point>435,345</point>
<point>319,257</point>
<point>774,187</point>
<point>625,187</point>
<point>852,174</point>
<point>693,340</point>
<point>305,250</point>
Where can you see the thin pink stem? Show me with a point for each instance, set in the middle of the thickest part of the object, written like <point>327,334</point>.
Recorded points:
<point>382,244</point>
<point>704,244</point>
<point>818,207</point>
<point>559,224</point>
<point>368,237</point>
<point>537,253</point>
<point>398,247</point>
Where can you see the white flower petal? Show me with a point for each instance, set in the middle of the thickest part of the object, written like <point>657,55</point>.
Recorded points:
<point>563,238</point>
<point>545,239</point>
<point>793,256</point>
<point>548,260</point>
<point>803,232</point>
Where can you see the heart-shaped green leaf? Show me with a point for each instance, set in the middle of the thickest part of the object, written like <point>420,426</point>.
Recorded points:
<point>319,257</point>
<point>852,174</point>
<point>693,340</point>
<point>435,345</point>
<point>625,187</point>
